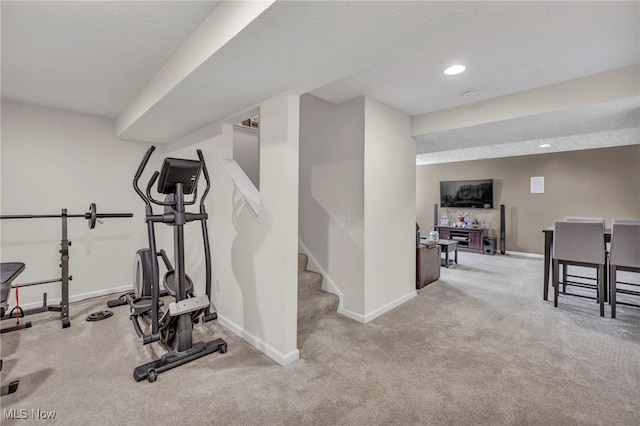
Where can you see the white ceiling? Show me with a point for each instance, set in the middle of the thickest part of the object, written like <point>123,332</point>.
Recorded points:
<point>96,57</point>
<point>600,125</point>
<point>90,57</point>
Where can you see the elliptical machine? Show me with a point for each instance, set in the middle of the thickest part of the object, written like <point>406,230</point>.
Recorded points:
<point>172,328</point>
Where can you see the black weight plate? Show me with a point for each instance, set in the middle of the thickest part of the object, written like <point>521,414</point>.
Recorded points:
<point>92,216</point>
<point>100,315</point>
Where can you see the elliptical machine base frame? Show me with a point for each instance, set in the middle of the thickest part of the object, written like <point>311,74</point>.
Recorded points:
<point>173,359</point>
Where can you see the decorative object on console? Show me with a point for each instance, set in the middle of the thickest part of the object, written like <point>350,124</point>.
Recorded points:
<point>463,220</point>
<point>444,221</point>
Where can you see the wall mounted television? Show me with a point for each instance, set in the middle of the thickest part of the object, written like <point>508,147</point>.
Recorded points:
<point>476,194</point>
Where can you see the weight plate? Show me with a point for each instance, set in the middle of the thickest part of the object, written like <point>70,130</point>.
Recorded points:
<point>100,315</point>
<point>92,216</point>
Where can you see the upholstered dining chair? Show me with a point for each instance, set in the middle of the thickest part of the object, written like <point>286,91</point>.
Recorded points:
<point>624,255</point>
<point>579,244</point>
<point>565,273</point>
<point>626,221</point>
<point>583,219</point>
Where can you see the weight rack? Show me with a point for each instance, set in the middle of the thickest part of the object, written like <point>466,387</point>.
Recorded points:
<point>92,216</point>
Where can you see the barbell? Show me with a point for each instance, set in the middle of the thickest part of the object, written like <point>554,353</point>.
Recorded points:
<point>91,216</point>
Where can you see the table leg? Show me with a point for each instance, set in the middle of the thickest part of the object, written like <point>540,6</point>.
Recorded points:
<point>446,258</point>
<point>548,240</point>
<point>456,254</point>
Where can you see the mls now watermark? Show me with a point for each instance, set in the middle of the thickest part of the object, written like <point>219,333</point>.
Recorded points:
<point>23,413</point>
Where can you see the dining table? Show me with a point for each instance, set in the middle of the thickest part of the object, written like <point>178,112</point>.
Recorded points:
<point>548,244</point>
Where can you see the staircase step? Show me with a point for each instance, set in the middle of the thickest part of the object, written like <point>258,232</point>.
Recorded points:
<point>302,262</point>
<point>314,305</point>
<point>309,281</point>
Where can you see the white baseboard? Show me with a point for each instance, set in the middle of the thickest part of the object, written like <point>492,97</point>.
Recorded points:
<point>381,310</point>
<point>265,348</point>
<point>391,305</point>
<point>79,297</point>
<point>525,254</point>
<point>347,313</point>
<point>327,283</point>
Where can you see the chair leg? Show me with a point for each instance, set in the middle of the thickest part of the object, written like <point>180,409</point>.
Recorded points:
<point>612,286</point>
<point>598,280</point>
<point>564,279</point>
<point>601,284</point>
<point>556,284</point>
<point>607,287</point>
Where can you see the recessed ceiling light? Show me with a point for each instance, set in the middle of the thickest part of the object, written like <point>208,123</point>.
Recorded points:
<point>469,93</point>
<point>455,69</point>
<point>545,145</point>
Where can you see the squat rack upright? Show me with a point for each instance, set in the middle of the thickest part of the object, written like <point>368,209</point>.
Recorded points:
<point>92,216</point>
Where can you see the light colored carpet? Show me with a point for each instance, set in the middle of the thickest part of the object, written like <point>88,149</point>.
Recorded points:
<point>313,303</point>
<point>479,346</point>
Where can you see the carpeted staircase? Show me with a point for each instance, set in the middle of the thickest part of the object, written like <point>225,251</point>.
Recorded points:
<point>313,303</point>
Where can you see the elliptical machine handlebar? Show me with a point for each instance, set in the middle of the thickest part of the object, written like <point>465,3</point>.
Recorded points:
<point>206,178</point>
<point>141,168</point>
<point>153,180</point>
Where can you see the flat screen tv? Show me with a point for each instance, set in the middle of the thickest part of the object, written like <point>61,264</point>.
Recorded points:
<point>475,194</point>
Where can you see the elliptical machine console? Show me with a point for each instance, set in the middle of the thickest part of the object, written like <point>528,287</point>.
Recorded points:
<point>172,327</point>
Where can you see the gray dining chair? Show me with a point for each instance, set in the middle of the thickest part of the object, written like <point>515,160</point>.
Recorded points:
<point>566,276</point>
<point>624,256</point>
<point>626,221</point>
<point>579,244</point>
<point>583,219</point>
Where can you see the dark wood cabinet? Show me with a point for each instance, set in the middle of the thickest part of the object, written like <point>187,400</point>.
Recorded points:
<point>469,239</point>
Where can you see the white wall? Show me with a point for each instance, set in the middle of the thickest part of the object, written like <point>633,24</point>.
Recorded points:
<point>255,261</point>
<point>54,159</point>
<point>332,192</point>
<point>390,208</point>
<point>357,201</point>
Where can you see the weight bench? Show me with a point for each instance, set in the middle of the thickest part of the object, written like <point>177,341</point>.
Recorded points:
<point>9,271</point>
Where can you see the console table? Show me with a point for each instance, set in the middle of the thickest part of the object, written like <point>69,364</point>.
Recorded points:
<point>468,239</point>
